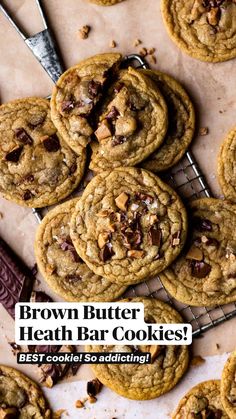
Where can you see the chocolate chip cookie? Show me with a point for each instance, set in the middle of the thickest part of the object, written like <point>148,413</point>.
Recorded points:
<point>75,95</point>
<point>202,401</point>
<point>145,381</point>
<point>205,273</point>
<point>128,225</point>
<point>228,386</point>
<point>204,29</point>
<point>37,168</point>
<point>105,2</point>
<point>181,123</point>
<point>60,264</point>
<point>20,397</point>
<point>133,122</point>
<point>227,166</point>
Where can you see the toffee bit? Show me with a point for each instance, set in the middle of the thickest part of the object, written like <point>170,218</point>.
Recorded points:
<point>79,404</point>
<point>197,360</point>
<point>113,44</point>
<point>1,215</point>
<point>143,52</point>
<point>137,42</point>
<point>152,59</point>
<point>84,31</point>
<point>203,131</point>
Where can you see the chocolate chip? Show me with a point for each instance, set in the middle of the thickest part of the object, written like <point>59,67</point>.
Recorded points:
<point>145,198</point>
<point>94,387</point>
<point>106,252</point>
<point>40,297</point>
<point>67,105</point>
<point>200,269</point>
<point>22,136</point>
<point>28,178</point>
<point>34,270</point>
<point>27,195</point>
<point>149,319</point>
<point>73,168</point>
<point>94,88</point>
<point>36,120</point>
<point>14,155</point>
<point>15,346</point>
<point>202,224</point>
<point>118,139</point>
<point>154,236</point>
<point>113,113</point>
<point>72,279</point>
<point>52,143</point>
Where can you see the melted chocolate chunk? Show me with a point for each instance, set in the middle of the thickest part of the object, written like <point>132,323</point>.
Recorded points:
<point>52,143</point>
<point>15,346</point>
<point>36,120</point>
<point>202,224</point>
<point>94,88</point>
<point>28,178</point>
<point>106,252</point>
<point>145,198</point>
<point>154,236</point>
<point>73,168</point>
<point>200,269</point>
<point>94,387</point>
<point>14,155</point>
<point>67,105</point>
<point>118,139</point>
<point>212,242</point>
<point>72,279</point>
<point>22,136</point>
<point>27,195</point>
<point>212,3</point>
<point>113,114</point>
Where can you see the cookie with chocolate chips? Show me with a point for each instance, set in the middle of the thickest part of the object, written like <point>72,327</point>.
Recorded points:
<point>77,93</point>
<point>228,386</point>
<point>202,401</point>
<point>205,273</point>
<point>37,168</point>
<point>145,381</point>
<point>60,264</point>
<point>227,166</point>
<point>181,123</point>
<point>20,397</point>
<point>204,29</point>
<point>128,225</point>
<point>133,122</point>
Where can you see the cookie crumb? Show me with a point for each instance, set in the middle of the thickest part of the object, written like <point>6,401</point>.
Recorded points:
<point>58,414</point>
<point>92,399</point>
<point>137,42</point>
<point>79,404</point>
<point>203,131</point>
<point>217,346</point>
<point>113,44</point>
<point>152,59</point>
<point>1,215</point>
<point>143,52</point>
<point>197,360</point>
<point>84,31</point>
<point>151,51</point>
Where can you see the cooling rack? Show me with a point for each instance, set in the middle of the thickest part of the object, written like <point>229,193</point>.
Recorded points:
<point>187,179</point>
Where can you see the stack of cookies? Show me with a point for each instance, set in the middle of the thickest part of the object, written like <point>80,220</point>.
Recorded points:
<point>128,225</point>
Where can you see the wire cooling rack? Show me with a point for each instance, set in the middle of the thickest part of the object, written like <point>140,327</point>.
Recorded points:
<point>187,179</point>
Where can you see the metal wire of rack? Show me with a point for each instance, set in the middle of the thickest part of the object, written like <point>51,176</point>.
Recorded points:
<point>187,179</point>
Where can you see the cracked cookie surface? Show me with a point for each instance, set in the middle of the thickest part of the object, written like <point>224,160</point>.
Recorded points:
<point>128,225</point>
<point>202,401</point>
<point>75,96</point>
<point>181,123</point>
<point>20,397</point>
<point>227,166</point>
<point>204,29</point>
<point>228,386</point>
<point>133,122</point>
<point>37,167</point>
<point>61,266</point>
<point>145,381</point>
<point>205,273</point>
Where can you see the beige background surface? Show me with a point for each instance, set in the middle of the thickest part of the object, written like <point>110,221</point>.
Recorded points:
<point>211,86</point>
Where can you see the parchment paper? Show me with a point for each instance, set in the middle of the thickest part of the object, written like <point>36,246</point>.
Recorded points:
<point>211,86</point>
